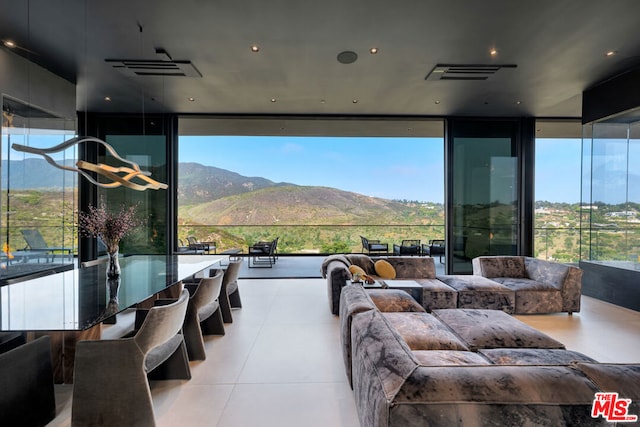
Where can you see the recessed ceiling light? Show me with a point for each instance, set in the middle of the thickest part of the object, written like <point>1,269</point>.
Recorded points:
<point>437,102</point>
<point>611,53</point>
<point>9,43</point>
<point>273,100</point>
<point>255,48</point>
<point>107,98</point>
<point>373,50</point>
<point>518,102</point>
<point>355,101</point>
<point>191,99</point>
<point>493,52</point>
<point>322,101</point>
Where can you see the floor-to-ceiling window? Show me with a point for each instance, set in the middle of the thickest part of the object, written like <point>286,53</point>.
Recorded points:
<point>38,200</point>
<point>557,219</point>
<point>318,185</point>
<point>485,197</point>
<point>611,191</point>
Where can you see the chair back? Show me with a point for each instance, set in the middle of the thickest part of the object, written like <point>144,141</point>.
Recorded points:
<point>162,323</point>
<point>208,290</point>
<point>231,273</point>
<point>33,238</point>
<point>365,242</point>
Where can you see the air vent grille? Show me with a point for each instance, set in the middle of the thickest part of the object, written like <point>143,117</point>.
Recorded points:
<point>465,71</point>
<point>143,67</point>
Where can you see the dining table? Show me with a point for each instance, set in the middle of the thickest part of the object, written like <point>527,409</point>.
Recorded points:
<point>73,305</point>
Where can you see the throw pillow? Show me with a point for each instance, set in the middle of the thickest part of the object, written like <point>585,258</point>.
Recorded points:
<point>384,269</point>
<point>354,269</point>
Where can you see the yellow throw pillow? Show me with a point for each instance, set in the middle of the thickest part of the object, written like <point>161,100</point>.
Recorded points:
<point>385,270</point>
<point>354,269</point>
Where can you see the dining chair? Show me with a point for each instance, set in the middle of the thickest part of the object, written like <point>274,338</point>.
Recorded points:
<point>230,293</point>
<point>111,384</point>
<point>203,316</point>
<point>27,398</point>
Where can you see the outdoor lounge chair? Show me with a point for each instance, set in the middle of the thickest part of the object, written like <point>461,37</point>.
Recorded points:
<point>407,247</point>
<point>435,248</point>
<point>36,243</point>
<point>374,246</point>
<point>263,254</point>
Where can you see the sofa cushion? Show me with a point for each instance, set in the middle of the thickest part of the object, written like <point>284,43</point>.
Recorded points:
<point>384,269</point>
<point>552,273</point>
<point>503,266</point>
<point>480,292</point>
<point>533,356</point>
<point>494,395</point>
<point>436,294</point>
<point>493,329</point>
<point>390,300</point>
<point>533,296</point>
<point>422,331</point>
<point>449,357</point>
<point>408,267</point>
<point>623,378</point>
<point>363,261</point>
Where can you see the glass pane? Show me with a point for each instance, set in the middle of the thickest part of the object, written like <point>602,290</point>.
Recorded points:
<point>149,152</point>
<point>484,197</point>
<point>318,194</point>
<point>557,210</point>
<point>38,200</point>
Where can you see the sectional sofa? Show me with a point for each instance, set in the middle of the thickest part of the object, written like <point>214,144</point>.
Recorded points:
<point>513,284</point>
<point>466,367</point>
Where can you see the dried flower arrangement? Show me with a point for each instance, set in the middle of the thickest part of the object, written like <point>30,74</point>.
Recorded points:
<point>110,226</point>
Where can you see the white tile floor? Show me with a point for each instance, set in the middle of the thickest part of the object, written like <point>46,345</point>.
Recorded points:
<point>280,364</point>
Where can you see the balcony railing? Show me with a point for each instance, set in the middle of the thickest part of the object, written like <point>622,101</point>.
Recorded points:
<point>309,239</point>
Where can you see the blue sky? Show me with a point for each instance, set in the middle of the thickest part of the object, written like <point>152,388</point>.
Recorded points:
<point>391,168</point>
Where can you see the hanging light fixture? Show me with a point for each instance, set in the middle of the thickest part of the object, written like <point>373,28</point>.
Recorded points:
<point>108,171</point>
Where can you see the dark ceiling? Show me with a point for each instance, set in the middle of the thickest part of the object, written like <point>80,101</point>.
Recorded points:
<point>558,48</point>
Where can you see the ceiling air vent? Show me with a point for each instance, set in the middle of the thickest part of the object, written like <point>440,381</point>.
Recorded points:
<point>155,67</point>
<point>465,71</point>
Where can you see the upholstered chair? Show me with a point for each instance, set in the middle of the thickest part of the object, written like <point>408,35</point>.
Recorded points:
<point>203,314</point>
<point>230,294</point>
<point>111,387</point>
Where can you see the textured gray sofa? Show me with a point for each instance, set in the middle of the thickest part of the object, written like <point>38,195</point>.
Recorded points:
<point>335,268</point>
<point>520,285</point>
<point>540,286</point>
<point>466,367</point>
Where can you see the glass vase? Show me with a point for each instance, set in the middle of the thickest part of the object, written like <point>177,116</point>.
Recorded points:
<point>113,265</point>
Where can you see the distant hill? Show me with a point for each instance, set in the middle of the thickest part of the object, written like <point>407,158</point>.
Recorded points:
<point>200,184</point>
<point>36,173</point>
<point>302,205</point>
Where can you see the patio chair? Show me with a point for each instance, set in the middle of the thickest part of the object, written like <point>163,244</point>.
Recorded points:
<point>200,247</point>
<point>435,248</point>
<point>263,254</point>
<point>36,243</point>
<point>407,247</point>
<point>373,246</point>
